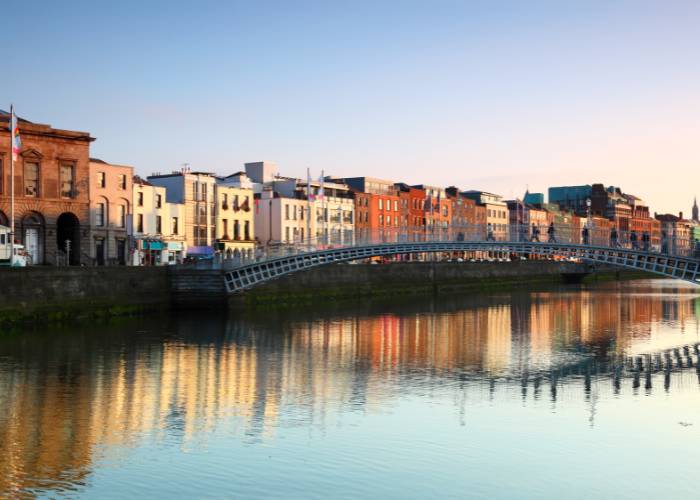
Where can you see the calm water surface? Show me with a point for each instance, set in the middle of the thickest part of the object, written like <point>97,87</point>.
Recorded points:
<point>570,393</point>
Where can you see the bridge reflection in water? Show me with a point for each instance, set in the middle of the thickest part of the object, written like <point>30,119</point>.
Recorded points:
<point>71,401</point>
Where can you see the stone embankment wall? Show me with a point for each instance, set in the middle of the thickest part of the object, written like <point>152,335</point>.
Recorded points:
<point>357,280</point>
<point>63,292</point>
<point>66,292</point>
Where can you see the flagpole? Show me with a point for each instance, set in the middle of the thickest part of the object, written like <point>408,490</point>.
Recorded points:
<point>12,181</point>
<point>308,207</point>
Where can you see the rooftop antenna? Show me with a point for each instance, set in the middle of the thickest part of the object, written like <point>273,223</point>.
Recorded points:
<point>185,168</point>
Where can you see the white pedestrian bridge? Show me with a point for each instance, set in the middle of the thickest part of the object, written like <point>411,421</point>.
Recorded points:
<point>670,258</point>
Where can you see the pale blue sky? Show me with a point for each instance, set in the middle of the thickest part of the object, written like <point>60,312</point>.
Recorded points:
<point>491,95</point>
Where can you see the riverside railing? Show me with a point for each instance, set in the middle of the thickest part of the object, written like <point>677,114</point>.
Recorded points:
<point>673,244</point>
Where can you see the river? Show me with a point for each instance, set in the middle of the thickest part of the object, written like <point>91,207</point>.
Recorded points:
<point>570,392</point>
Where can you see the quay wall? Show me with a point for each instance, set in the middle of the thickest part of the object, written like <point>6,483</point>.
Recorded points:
<point>336,281</point>
<point>56,293</point>
<point>67,292</point>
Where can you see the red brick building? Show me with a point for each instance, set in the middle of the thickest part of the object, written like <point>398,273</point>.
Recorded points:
<point>377,209</point>
<point>51,191</point>
<point>413,217</point>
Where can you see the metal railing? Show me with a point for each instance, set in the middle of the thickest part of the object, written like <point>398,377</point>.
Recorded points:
<point>659,243</point>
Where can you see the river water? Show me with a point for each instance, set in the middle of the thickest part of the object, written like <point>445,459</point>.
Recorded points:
<point>573,392</point>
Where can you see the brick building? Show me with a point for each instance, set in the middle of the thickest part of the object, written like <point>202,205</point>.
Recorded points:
<point>52,203</point>
<point>377,214</point>
<point>110,209</point>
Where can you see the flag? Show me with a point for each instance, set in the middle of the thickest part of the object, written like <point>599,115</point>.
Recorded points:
<point>14,135</point>
<point>257,205</point>
<point>309,193</point>
<point>320,190</point>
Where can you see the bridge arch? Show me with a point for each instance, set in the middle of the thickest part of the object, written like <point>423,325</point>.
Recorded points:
<point>248,276</point>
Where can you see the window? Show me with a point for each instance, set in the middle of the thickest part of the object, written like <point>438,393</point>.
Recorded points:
<point>66,173</point>
<point>139,198</point>
<point>396,206</point>
<point>286,234</point>
<point>224,223</point>
<point>246,230</point>
<point>31,179</point>
<point>286,212</point>
<point>2,176</point>
<point>159,201</point>
<point>100,215</point>
<point>139,223</point>
<point>204,192</point>
<point>175,228</point>
<point>122,216</point>
<point>224,201</point>
<point>236,230</point>
<point>381,204</point>
<point>101,180</point>
<point>158,224</point>
<point>122,181</point>
<point>388,220</point>
<point>381,219</point>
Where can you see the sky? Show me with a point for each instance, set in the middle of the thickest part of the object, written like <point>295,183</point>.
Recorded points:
<point>494,95</point>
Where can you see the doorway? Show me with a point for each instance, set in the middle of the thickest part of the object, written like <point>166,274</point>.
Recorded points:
<point>68,237</point>
<point>100,251</point>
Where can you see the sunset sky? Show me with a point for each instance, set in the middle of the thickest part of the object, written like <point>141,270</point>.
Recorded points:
<point>491,95</point>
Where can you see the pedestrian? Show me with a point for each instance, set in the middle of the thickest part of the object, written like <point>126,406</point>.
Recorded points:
<point>645,241</point>
<point>585,236</point>
<point>535,234</point>
<point>633,240</point>
<point>613,238</point>
<point>550,232</point>
<point>489,233</point>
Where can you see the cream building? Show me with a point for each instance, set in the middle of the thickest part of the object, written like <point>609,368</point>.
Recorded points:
<point>157,226</point>
<point>496,212</point>
<point>110,208</point>
<point>218,211</point>
<point>235,220</point>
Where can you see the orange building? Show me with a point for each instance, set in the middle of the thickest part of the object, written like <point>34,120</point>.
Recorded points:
<point>52,203</point>
<point>377,209</point>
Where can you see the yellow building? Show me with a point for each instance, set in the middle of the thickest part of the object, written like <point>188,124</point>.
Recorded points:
<point>235,214</point>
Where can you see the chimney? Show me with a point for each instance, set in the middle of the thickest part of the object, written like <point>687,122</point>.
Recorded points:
<point>680,215</point>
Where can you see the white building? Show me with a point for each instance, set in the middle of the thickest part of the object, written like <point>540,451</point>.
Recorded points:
<point>283,207</point>
<point>157,226</point>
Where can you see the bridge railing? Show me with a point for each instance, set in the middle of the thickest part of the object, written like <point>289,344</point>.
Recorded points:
<point>680,245</point>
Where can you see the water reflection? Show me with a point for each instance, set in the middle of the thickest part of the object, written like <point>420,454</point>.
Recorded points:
<point>69,400</point>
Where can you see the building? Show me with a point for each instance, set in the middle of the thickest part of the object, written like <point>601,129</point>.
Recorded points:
<point>218,211</point>
<point>235,219</point>
<point>463,224</point>
<point>157,226</point>
<point>573,198</point>
<point>110,190</point>
<point>377,213</point>
<point>197,191</point>
<point>696,212</point>
<point>412,211</point>
<point>437,211</point>
<point>52,199</point>
<point>496,212</point>
<point>286,221</point>
<point>676,234</point>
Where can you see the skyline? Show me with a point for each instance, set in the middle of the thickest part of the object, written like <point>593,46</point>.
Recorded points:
<point>495,97</point>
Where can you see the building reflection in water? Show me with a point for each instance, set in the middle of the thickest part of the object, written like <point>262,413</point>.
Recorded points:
<point>69,399</point>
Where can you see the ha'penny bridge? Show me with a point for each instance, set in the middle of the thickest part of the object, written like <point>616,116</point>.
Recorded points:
<point>669,256</point>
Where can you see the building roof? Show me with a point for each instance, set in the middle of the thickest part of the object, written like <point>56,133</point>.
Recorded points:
<point>141,181</point>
